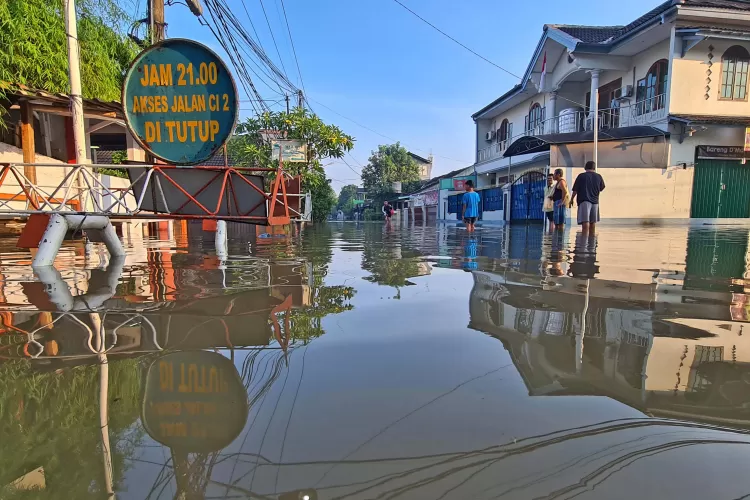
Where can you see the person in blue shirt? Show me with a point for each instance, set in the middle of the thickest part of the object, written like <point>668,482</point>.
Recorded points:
<point>470,206</point>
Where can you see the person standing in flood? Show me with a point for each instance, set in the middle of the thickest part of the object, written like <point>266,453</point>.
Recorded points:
<point>387,212</point>
<point>470,204</point>
<point>560,199</point>
<point>549,205</point>
<point>586,189</point>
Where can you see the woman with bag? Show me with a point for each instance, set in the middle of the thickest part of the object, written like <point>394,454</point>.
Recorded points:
<point>561,199</point>
<point>549,206</point>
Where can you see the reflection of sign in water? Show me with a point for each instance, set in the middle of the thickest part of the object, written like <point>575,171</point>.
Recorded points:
<point>180,101</point>
<point>194,401</point>
<point>291,151</point>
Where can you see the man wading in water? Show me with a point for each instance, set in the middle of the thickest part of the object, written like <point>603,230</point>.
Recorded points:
<point>586,188</point>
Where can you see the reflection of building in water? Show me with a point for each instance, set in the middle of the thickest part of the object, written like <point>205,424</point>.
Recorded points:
<point>655,356</point>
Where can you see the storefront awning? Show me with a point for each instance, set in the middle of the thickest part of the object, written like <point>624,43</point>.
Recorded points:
<point>537,143</point>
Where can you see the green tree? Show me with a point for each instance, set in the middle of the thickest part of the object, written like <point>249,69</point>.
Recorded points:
<point>33,46</point>
<point>347,196</point>
<point>323,199</point>
<point>248,148</point>
<point>390,163</point>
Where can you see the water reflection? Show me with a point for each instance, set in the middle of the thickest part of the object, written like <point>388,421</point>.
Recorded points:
<point>601,366</point>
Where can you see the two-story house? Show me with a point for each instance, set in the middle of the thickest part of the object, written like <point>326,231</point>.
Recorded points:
<point>672,105</point>
<point>425,166</point>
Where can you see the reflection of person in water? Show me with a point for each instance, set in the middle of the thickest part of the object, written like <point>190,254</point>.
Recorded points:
<point>470,254</point>
<point>584,257</point>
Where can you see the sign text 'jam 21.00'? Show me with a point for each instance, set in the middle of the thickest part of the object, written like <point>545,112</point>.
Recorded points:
<point>180,101</point>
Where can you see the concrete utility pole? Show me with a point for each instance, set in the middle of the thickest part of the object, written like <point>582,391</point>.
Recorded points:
<point>286,97</point>
<point>74,74</point>
<point>300,99</point>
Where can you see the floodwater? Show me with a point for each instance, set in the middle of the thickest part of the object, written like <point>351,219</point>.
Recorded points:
<point>360,361</point>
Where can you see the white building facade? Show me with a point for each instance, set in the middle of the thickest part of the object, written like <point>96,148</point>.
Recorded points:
<point>672,113</point>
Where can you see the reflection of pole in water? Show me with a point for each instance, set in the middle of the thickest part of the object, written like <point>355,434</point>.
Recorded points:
<point>99,345</point>
<point>579,336</point>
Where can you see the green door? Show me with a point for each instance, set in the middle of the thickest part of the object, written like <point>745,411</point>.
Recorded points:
<point>721,189</point>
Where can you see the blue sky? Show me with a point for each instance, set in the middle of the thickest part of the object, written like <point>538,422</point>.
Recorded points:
<point>375,63</point>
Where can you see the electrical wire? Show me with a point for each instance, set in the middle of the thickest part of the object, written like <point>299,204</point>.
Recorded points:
<point>294,51</point>
<point>476,53</point>
<point>243,50</point>
<point>281,60</point>
<point>456,41</point>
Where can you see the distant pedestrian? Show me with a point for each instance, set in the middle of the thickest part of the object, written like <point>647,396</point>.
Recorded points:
<point>387,211</point>
<point>560,198</point>
<point>470,203</point>
<point>549,205</point>
<point>586,189</point>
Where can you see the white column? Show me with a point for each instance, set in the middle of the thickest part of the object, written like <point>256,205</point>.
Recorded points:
<point>550,112</point>
<point>594,87</point>
<point>220,239</point>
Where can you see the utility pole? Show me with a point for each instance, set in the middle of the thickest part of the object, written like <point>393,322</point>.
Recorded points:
<point>287,103</point>
<point>300,99</point>
<point>74,74</point>
<point>156,23</point>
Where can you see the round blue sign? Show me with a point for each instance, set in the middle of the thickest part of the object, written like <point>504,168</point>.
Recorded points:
<point>180,101</point>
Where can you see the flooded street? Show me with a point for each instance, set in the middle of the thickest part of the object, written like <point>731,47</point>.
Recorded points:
<point>365,361</point>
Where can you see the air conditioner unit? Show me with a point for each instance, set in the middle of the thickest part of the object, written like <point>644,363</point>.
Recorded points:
<point>624,92</point>
<point>490,136</point>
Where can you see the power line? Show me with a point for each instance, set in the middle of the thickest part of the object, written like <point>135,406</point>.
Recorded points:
<point>456,41</point>
<point>350,167</point>
<point>272,36</point>
<point>294,51</point>
<point>477,54</point>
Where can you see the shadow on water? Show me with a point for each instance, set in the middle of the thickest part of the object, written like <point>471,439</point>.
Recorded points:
<point>517,363</point>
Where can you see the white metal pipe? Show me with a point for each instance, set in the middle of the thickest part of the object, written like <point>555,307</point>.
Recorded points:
<point>51,242</point>
<point>74,74</point>
<point>111,240</point>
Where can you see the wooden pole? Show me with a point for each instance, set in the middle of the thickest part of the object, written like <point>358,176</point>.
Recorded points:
<point>27,140</point>
<point>28,146</point>
<point>156,20</point>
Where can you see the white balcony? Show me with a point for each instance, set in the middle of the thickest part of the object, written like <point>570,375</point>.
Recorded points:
<point>643,112</point>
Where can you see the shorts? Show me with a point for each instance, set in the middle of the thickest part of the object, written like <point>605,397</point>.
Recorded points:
<point>560,213</point>
<point>470,220</point>
<point>588,212</point>
<point>550,216</point>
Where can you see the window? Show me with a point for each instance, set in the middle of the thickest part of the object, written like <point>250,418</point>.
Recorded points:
<point>650,93</point>
<point>734,64</point>
<point>534,119</point>
<point>504,133</point>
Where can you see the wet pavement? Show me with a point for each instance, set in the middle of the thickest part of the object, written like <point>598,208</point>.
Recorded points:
<point>359,361</point>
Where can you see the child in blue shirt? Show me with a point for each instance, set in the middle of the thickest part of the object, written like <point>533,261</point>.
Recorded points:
<point>470,206</point>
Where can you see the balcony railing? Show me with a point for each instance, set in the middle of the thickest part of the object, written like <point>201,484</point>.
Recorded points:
<point>641,113</point>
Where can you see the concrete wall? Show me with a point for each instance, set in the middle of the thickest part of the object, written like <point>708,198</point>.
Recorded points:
<point>642,193</point>
<point>47,177</point>
<point>688,82</point>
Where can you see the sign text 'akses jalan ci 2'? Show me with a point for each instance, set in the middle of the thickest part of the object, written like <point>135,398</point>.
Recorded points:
<point>180,101</point>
